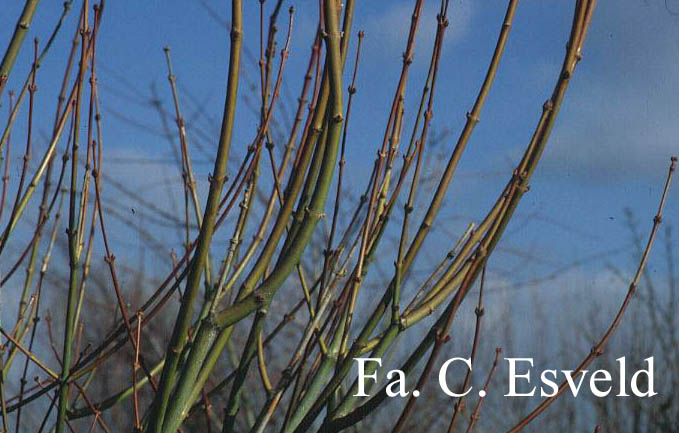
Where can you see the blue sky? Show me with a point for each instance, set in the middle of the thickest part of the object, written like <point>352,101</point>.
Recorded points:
<point>609,150</point>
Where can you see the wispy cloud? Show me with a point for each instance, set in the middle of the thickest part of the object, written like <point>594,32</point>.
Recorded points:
<point>389,27</point>
<point>624,118</point>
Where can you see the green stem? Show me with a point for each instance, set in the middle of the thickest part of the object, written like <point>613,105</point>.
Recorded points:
<point>179,334</point>
<point>515,190</point>
<point>17,40</point>
<point>73,241</point>
<point>418,240</point>
<point>291,257</point>
<point>177,410</point>
<point>24,89</point>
